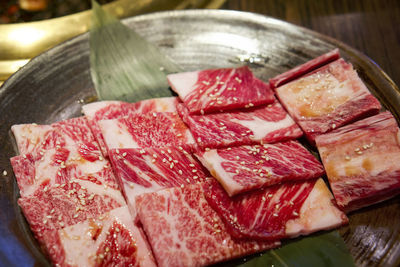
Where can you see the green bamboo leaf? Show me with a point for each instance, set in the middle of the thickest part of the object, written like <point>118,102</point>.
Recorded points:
<point>124,66</point>
<point>326,249</point>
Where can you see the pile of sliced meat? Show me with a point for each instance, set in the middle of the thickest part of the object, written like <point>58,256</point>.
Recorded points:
<point>214,174</point>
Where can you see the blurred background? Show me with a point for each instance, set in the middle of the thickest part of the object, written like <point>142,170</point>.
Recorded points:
<point>28,27</point>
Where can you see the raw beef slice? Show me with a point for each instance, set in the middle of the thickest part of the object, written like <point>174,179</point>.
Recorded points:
<point>109,240</point>
<point>263,124</point>
<point>107,110</point>
<point>304,68</point>
<point>59,166</point>
<point>220,89</point>
<point>362,161</point>
<point>183,230</point>
<point>146,170</point>
<point>328,98</point>
<point>33,138</point>
<point>157,129</point>
<point>279,211</point>
<point>244,168</point>
<point>51,208</point>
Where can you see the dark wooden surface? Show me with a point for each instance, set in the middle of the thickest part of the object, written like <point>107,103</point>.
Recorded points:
<point>370,26</point>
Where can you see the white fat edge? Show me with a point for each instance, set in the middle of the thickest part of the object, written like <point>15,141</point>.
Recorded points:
<point>183,83</point>
<point>261,128</point>
<point>165,104</point>
<point>31,134</point>
<point>379,161</point>
<point>213,162</point>
<point>189,139</point>
<point>334,91</point>
<point>144,255</point>
<point>78,236</point>
<point>91,109</point>
<point>116,136</point>
<point>317,213</point>
<point>132,190</point>
<point>102,190</point>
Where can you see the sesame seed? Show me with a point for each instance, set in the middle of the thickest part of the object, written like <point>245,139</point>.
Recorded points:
<point>359,152</point>
<point>142,151</point>
<point>154,114</point>
<point>117,151</point>
<point>153,160</point>
<point>24,156</point>
<point>124,154</point>
<point>263,198</point>
<point>202,112</point>
<point>291,202</point>
<point>76,215</point>
<point>235,99</point>
<point>4,173</point>
<point>179,135</point>
<point>357,149</point>
<point>295,213</point>
<point>347,158</point>
<point>275,215</point>
<point>101,158</point>
<point>237,171</point>
<point>182,185</point>
<point>180,172</point>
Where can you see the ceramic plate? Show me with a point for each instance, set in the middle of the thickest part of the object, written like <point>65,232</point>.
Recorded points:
<point>54,85</point>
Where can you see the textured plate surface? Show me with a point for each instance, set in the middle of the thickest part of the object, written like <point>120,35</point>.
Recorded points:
<point>53,86</point>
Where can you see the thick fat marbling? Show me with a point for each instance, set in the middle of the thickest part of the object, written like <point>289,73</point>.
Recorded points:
<point>109,240</point>
<point>59,165</point>
<point>362,161</point>
<point>244,168</point>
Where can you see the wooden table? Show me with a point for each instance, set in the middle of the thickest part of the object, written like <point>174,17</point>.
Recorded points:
<point>370,26</point>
